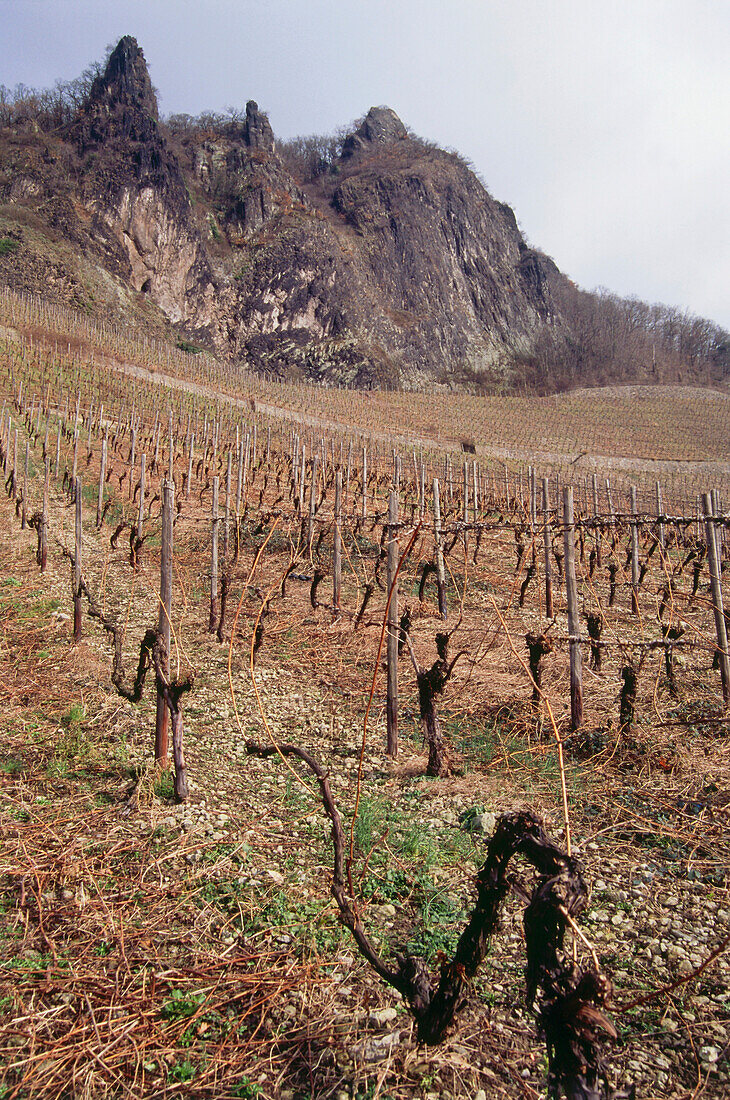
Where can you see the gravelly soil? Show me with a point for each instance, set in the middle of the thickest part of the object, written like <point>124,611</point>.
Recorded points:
<point>659,898</point>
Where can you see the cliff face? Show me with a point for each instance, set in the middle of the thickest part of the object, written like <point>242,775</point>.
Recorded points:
<point>394,266</point>
<point>132,186</point>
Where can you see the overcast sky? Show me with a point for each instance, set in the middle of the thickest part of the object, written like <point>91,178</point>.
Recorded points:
<point>605,123</point>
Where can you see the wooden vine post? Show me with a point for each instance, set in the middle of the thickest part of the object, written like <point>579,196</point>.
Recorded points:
<point>14,481</point>
<point>132,460</point>
<point>102,475</point>
<point>571,590</point>
<point>337,548</point>
<point>43,528</point>
<point>191,453</point>
<point>611,516</point>
<point>660,522</point>
<point>213,617</point>
<point>227,510</point>
<point>392,693</point>
<point>5,434</point>
<point>716,585</point>
<point>312,503</point>
<point>168,502</point>
<point>302,472</point>
<point>440,573</point>
<point>142,477</point>
<point>597,531</point>
<point>465,502</point>
<point>634,553</point>
<point>57,464</point>
<point>533,500</point>
<point>77,563</point>
<point>719,531</point>
<point>547,545</point>
<point>475,468</point>
<point>24,506</point>
<point>74,467</point>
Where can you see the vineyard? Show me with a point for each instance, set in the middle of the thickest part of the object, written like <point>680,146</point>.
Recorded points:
<point>235,609</point>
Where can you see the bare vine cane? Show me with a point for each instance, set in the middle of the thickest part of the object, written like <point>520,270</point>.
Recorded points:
<point>570,1010</point>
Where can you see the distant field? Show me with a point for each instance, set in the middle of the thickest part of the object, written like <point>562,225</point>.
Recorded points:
<point>634,434</point>
<point>662,423</point>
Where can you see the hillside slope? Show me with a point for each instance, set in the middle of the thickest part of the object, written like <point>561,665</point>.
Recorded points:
<point>391,266</point>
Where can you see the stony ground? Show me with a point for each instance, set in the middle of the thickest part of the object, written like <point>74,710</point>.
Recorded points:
<point>151,949</point>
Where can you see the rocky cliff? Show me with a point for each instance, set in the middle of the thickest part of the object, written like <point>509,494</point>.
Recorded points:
<point>391,264</point>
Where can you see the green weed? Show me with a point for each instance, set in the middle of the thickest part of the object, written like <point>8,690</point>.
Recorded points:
<point>34,960</point>
<point>165,785</point>
<point>246,1089</point>
<point>371,824</point>
<point>11,766</point>
<point>74,751</point>
<point>183,1071</point>
<point>236,853</point>
<point>295,795</point>
<point>75,717</point>
<point>181,1005</point>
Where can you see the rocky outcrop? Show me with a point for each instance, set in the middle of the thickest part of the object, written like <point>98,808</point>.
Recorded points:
<point>394,266</point>
<point>257,132</point>
<point>121,105</point>
<point>132,183</point>
<point>381,126</point>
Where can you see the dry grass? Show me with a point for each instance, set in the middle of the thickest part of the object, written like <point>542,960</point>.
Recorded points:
<point>130,964</point>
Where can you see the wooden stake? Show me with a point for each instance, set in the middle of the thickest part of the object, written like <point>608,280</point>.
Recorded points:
<point>440,572</point>
<point>634,553</point>
<point>165,618</point>
<point>302,471</point>
<point>77,564</point>
<point>102,475</point>
<point>609,498</point>
<point>547,547</point>
<point>571,589</point>
<point>597,536</point>
<point>213,619</point>
<point>43,531</point>
<point>660,513</point>
<point>132,457</point>
<point>312,503</point>
<point>140,510</point>
<point>14,478</point>
<point>24,508</point>
<point>171,441</point>
<point>191,451</point>
<point>337,549</point>
<point>72,481</point>
<point>227,510</point>
<point>717,604</point>
<point>392,692</point>
<point>475,471</point>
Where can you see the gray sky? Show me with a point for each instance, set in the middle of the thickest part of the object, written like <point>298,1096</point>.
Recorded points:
<point>605,123</point>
